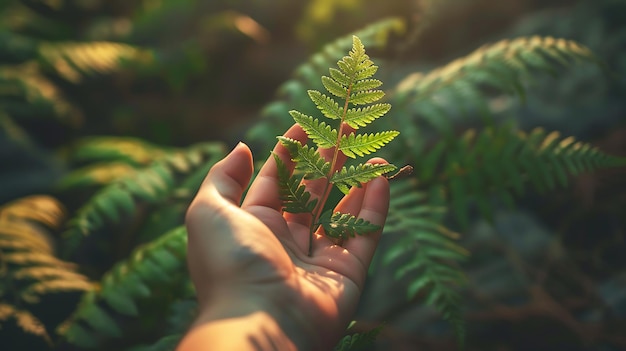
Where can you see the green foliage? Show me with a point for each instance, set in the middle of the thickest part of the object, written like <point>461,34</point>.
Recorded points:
<point>29,270</point>
<point>358,341</point>
<point>132,194</point>
<point>157,266</point>
<point>296,92</point>
<point>353,84</point>
<point>151,185</point>
<point>480,168</point>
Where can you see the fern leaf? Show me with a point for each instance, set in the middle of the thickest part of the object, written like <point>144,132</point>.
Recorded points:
<point>322,134</point>
<point>362,116</point>
<point>496,161</point>
<point>366,85</point>
<point>30,270</point>
<point>433,254</point>
<point>25,320</point>
<point>334,87</point>
<point>358,341</point>
<point>362,173</point>
<point>73,60</point>
<point>434,96</point>
<point>307,159</point>
<point>326,105</point>
<point>339,76</point>
<point>150,185</point>
<point>156,266</point>
<point>306,77</point>
<point>364,144</point>
<point>366,97</point>
<point>26,92</point>
<point>294,196</point>
<point>131,151</point>
<point>343,225</point>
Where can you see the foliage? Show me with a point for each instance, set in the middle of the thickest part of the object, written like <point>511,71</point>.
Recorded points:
<point>358,341</point>
<point>77,75</point>
<point>461,172</point>
<point>353,83</point>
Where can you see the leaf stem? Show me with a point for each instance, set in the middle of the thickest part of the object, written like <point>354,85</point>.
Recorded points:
<point>320,205</point>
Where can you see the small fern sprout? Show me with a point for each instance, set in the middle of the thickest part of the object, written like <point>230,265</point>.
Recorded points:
<point>353,85</point>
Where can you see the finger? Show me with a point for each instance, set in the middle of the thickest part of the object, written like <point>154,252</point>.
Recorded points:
<point>264,189</point>
<point>228,178</point>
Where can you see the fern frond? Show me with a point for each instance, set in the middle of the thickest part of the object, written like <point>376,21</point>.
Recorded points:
<point>150,185</point>
<point>132,151</point>
<point>156,266</point>
<point>25,92</point>
<point>427,250</point>
<point>343,226</point>
<point>29,268</point>
<point>499,162</point>
<point>73,60</point>
<point>365,144</point>
<point>97,174</point>
<point>291,94</point>
<point>25,320</point>
<point>307,160</point>
<point>502,66</point>
<point>323,135</point>
<point>294,196</point>
<point>358,341</point>
<point>363,173</point>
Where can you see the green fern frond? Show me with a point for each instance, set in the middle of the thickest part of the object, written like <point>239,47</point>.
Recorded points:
<point>503,66</point>
<point>150,185</point>
<point>363,173</point>
<point>426,250</point>
<point>156,266</point>
<point>294,196</point>
<point>365,144</point>
<point>307,159</point>
<point>292,94</point>
<point>499,162</point>
<point>95,175</point>
<point>352,83</point>
<point>358,341</point>
<point>343,226</point>
<point>73,60</point>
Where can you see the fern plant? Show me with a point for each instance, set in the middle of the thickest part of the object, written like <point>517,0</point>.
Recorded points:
<point>459,171</point>
<point>354,85</point>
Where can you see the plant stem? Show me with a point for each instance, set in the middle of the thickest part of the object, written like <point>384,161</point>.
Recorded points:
<point>318,209</point>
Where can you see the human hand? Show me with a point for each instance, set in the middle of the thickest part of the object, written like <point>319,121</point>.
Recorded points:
<point>250,266</point>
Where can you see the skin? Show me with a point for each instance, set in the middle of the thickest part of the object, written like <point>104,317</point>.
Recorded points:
<point>256,286</point>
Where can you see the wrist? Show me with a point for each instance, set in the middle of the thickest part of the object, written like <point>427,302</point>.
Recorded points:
<point>242,321</point>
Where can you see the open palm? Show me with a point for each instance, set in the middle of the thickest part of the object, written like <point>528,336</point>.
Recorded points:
<point>256,253</point>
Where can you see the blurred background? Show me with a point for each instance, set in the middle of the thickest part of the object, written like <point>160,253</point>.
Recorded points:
<point>548,276</point>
